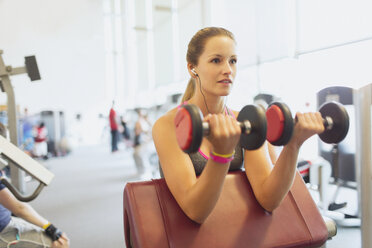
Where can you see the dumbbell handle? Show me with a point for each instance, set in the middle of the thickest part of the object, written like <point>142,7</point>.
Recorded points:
<point>327,122</point>
<point>245,126</point>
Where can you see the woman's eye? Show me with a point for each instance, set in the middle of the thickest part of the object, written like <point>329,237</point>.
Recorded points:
<point>215,60</point>
<point>233,61</point>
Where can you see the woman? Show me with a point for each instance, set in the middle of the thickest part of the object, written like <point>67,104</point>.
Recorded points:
<point>211,62</point>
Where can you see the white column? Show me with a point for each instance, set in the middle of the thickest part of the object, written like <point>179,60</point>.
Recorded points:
<point>130,51</point>
<point>293,29</point>
<point>214,12</point>
<point>175,37</point>
<point>150,45</point>
<point>364,161</point>
<point>118,54</point>
<point>206,12</point>
<point>109,48</point>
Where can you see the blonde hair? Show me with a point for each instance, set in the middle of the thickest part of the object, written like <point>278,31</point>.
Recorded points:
<point>196,48</point>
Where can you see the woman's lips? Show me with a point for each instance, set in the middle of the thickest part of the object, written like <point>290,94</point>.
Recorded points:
<point>225,81</point>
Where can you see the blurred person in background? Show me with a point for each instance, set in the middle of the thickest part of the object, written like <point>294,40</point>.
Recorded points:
<point>114,127</point>
<point>27,133</point>
<point>41,137</point>
<point>142,132</point>
<point>125,131</point>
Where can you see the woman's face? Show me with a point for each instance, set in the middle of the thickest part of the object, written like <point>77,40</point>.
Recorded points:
<point>217,66</point>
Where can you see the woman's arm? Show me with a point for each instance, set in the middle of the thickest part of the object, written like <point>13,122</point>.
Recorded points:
<point>21,209</point>
<point>196,196</point>
<point>26,212</point>
<point>272,185</point>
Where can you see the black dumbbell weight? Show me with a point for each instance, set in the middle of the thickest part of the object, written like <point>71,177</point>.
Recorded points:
<point>280,123</point>
<point>190,128</point>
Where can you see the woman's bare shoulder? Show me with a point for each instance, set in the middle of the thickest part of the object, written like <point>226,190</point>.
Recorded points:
<point>165,121</point>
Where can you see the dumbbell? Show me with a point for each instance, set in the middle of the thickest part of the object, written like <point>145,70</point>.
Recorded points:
<point>190,128</point>
<point>280,123</point>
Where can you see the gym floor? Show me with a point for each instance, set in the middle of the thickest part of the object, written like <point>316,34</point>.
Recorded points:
<point>85,198</point>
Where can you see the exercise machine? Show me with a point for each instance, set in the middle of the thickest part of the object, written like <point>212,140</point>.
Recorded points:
<point>25,162</point>
<point>152,218</point>
<point>32,70</point>
<point>342,158</point>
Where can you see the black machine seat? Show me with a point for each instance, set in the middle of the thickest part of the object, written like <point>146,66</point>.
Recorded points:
<point>342,155</point>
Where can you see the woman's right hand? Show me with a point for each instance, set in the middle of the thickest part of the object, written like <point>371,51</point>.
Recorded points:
<point>224,133</point>
<point>62,242</point>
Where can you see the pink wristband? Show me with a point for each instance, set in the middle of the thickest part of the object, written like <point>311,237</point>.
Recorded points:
<point>220,160</point>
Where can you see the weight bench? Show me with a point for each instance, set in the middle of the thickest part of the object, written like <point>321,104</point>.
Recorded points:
<point>25,162</point>
<point>152,218</point>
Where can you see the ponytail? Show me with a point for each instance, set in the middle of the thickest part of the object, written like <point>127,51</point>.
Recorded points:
<point>190,90</point>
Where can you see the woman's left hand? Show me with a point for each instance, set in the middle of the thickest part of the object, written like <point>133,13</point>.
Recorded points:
<point>307,124</point>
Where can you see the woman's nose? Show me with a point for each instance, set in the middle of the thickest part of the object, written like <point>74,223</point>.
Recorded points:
<point>227,69</point>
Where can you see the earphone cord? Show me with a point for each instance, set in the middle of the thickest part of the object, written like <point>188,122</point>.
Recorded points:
<point>205,102</point>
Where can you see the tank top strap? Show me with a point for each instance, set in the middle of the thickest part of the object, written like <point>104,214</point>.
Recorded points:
<point>179,106</point>
<point>229,112</point>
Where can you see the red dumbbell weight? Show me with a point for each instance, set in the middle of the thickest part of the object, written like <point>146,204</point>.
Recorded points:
<point>190,129</point>
<point>280,123</point>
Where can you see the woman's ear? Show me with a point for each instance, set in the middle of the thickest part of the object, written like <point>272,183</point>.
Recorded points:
<point>192,71</point>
